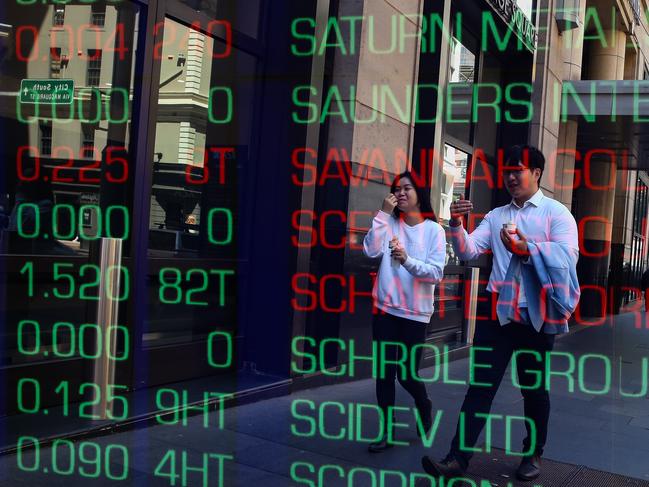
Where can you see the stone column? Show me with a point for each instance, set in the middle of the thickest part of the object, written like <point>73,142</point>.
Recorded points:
<point>594,213</point>
<point>607,61</point>
<point>596,192</point>
<point>572,48</point>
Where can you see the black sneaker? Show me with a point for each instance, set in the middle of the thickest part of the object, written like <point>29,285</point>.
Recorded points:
<point>449,467</point>
<point>381,445</point>
<point>530,468</point>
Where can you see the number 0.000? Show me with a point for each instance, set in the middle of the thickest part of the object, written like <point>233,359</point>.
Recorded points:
<point>87,340</point>
<point>29,222</point>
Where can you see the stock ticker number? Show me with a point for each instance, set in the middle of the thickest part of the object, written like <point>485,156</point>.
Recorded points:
<point>30,168</point>
<point>94,101</point>
<point>85,458</point>
<point>88,459</point>
<point>171,291</point>
<point>29,399</point>
<point>222,28</point>
<point>66,35</point>
<point>88,340</point>
<point>27,35</point>
<point>82,283</point>
<point>68,222</point>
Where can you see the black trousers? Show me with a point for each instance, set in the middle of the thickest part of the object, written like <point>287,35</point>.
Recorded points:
<point>396,338</point>
<point>503,342</point>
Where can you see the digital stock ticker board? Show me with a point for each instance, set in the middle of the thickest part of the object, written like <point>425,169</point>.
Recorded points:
<point>324,243</point>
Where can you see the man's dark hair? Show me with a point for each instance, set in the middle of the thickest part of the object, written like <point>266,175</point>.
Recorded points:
<point>528,155</point>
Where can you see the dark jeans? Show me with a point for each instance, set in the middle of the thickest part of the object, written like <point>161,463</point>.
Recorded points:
<point>389,328</point>
<point>503,342</point>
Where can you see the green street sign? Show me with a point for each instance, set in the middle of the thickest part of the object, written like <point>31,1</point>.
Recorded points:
<point>47,91</point>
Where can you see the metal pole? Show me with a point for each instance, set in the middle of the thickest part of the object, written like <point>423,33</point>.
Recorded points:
<point>107,310</point>
<point>471,277</point>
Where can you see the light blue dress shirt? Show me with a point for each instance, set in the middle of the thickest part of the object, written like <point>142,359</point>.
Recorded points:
<point>540,219</point>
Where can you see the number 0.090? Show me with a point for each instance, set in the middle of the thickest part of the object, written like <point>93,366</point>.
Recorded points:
<point>67,458</point>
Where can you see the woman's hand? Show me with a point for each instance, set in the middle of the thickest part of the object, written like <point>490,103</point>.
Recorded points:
<point>389,203</point>
<point>400,254</point>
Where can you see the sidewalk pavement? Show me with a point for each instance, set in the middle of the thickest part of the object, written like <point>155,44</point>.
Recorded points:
<point>590,432</point>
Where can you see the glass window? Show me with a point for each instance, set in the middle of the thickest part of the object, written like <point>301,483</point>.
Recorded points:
<point>193,148</point>
<point>462,63</point>
<point>630,272</point>
<point>447,290</point>
<point>55,62</point>
<point>200,158</point>
<point>462,75</point>
<point>242,16</point>
<point>52,196</point>
<point>94,67</point>
<point>98,15</point>
<point>46,139</point>
<point>87,141</point>
<point>59,15</point>
<point>453,187</point>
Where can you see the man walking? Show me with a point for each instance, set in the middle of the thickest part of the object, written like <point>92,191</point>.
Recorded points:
<point>533,283</point>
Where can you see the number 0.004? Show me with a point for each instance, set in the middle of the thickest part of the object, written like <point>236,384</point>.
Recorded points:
<point>85,458</point>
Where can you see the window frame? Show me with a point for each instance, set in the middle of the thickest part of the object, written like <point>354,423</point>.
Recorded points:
<point>93,68</point>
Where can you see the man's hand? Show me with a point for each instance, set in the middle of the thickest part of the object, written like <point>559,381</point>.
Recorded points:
<point>389,203</point>
<point>459,208</point>
<point>515,246</point>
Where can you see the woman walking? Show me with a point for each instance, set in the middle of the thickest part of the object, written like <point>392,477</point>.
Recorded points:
<point>412,247</point>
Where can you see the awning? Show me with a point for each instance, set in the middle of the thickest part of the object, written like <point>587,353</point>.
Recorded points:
<point>611,115</point>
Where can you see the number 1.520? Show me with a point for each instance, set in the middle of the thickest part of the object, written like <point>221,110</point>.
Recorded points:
<point>83,283</point>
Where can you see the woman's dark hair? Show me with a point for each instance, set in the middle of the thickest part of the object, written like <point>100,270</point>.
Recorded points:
<point>422,197</point>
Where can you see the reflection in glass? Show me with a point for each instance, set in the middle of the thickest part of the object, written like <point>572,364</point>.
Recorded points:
<point>453,187</point>
<point>202,144</point>
<point>197,156</point>
<point>55,197</point>
<point>60,149</point>
<point>446,292</point>
<point>462,63</point>
<point>462,75</point>
<point>242,16</point>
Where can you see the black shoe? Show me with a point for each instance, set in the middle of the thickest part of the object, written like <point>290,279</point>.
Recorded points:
<point>426,416</point>
<point>449,467</point>
<point>381,445</point>
<point>530,468</point>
